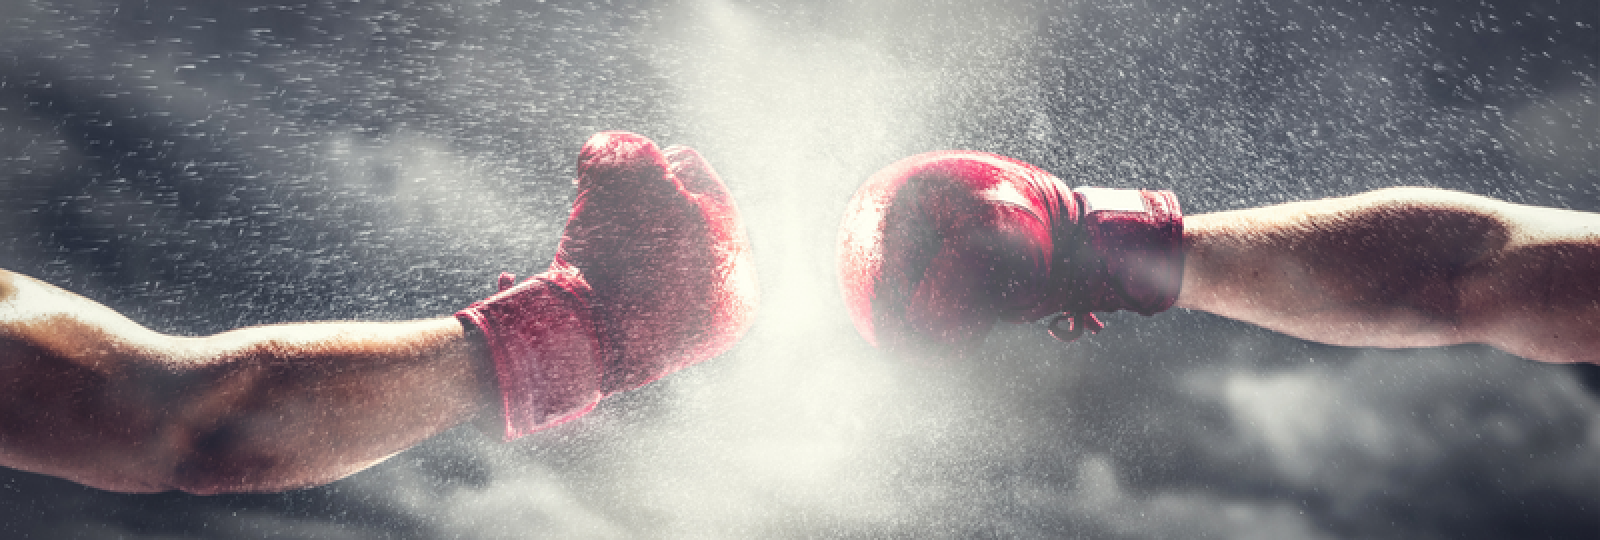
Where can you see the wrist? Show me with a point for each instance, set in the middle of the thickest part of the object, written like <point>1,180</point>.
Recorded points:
<point>1137,235</point>
<point>543,342</point>
<point>1123,250</point>
<point>485,394</point>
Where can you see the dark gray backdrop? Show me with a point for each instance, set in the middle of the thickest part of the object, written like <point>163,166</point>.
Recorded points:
<point>202,165</point>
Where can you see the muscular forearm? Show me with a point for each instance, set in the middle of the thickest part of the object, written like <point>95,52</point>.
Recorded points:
<point>1349,271</point>
<point>295,405</point>
<point>95,398</point>
<point>1405,267</point>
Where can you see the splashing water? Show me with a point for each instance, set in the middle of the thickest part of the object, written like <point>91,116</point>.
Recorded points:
<point>206,165</point>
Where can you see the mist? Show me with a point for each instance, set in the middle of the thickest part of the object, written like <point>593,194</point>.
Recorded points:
<point>207,165</point>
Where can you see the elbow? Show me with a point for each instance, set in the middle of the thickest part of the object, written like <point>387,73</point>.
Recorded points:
<point>225,460</point>
<point>173,459</point>
<point>201,474</point>
<point>256,453</point>
<point>216,443</point>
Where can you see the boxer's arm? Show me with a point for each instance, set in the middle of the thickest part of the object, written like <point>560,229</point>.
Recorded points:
<point>1405,267</point>
<point>90,396</point>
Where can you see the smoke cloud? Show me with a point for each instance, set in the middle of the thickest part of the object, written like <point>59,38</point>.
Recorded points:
<point>206,165</point>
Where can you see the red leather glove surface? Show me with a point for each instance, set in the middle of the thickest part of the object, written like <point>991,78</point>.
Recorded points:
<point>937,247</point>
<point>653,274</point>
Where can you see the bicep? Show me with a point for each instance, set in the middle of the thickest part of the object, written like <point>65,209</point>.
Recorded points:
<point>75,398</point>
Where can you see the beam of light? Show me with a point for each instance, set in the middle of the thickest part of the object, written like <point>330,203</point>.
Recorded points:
<point>802,426</point>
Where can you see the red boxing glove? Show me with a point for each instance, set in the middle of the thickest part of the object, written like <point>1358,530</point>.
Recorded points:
<point>937,247</point>
<point>653,274</point>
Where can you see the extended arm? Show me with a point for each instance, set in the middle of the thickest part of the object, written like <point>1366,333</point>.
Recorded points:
<point>90,396</point>
<point>936,248</point>
<point>653,274</point>
<point>1405,267</point>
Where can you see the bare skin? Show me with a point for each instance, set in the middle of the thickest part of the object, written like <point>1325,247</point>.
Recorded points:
<point>90,396</point>
<point>100,400</point>
<point>1405,267</point>
<point>95,398</point>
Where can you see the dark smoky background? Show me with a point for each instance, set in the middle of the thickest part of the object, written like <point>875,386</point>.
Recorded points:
<point>204,165</point>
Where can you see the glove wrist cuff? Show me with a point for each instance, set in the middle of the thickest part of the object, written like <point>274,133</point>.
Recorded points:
<point>543,340</point>
<point>1136,237</point>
